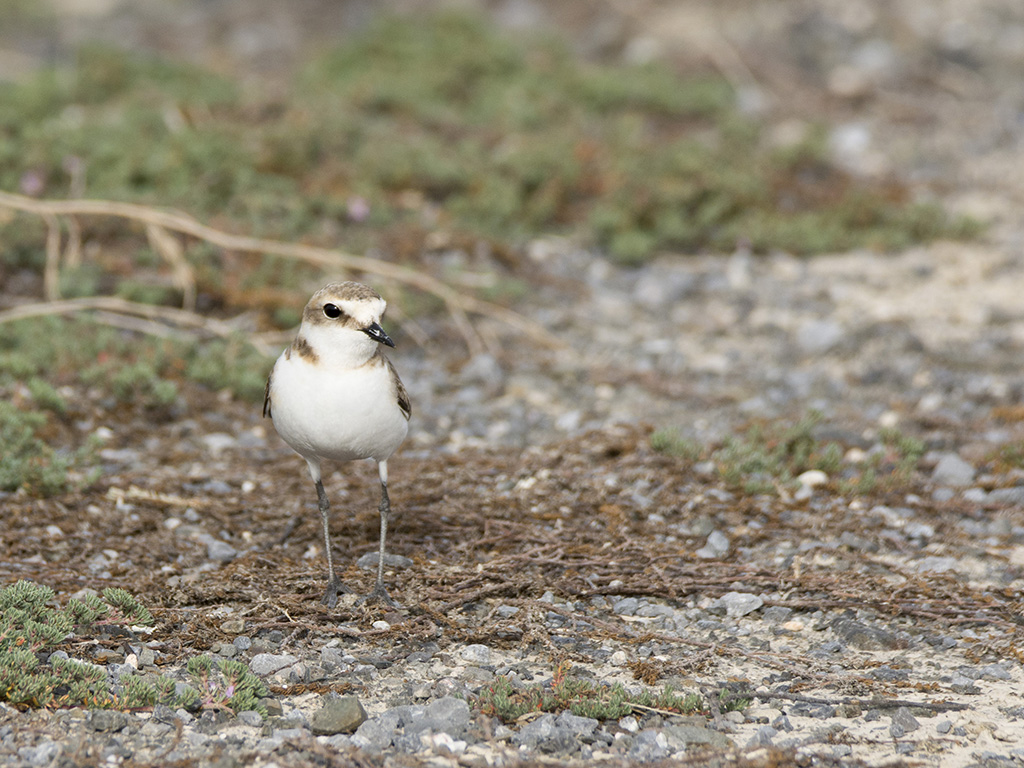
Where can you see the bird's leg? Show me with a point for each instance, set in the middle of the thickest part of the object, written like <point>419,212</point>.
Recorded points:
<point>379,592</point>
<point>334,585</point>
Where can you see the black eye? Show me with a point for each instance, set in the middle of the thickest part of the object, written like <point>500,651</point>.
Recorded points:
<point>332,311</point>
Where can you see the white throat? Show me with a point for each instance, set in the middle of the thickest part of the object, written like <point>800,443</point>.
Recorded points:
<point>336,346</point>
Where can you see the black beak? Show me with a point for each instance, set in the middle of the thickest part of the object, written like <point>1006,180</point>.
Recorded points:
<point>376,333</point>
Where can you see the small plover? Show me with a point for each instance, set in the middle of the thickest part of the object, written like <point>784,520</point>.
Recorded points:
<point>333,395</point>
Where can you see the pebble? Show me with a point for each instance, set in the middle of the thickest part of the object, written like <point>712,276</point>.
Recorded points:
<point>906,721</point>
<point>476,654</point>
<point>717,546</point>
<point>739,604</point>
<point>952,470</point>
<point>220,551</point>
<point>368,562</point>
<point>263,664</point>
<point>819,336</point>
<point>251,718</point>
<point>341,715</point>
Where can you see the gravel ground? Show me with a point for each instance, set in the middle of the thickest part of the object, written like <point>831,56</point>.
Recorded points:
<point>535,524</point>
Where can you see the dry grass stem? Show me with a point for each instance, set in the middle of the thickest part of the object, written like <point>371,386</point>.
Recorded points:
<point>459,305</point>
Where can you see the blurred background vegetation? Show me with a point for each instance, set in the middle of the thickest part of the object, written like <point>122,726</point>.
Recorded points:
<point>423,133</point>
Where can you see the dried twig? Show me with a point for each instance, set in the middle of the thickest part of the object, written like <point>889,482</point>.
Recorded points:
<point>459,305</point>
<point>118,312</point>
<point>937,706</point>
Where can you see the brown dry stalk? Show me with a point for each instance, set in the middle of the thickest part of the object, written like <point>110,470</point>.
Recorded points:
<point>160,222</point>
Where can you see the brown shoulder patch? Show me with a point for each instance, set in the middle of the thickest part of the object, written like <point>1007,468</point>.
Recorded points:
<point>303,349</point>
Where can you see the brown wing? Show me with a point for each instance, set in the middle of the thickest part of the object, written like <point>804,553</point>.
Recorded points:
<point>403,396</point>
<point>266,398</point>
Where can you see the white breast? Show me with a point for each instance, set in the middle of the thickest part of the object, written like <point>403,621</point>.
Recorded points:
<point>335,413</point>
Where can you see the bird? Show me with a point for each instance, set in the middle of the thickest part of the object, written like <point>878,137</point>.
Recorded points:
<point>334,396</point>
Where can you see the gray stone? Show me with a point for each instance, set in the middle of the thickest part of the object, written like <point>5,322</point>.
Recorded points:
<point>544,734</point>
<point>763,737</point>
<point>250,717</point>
<point>1013,496</point>
<point>373,736</point>
<point>333,658</point>
<point>943,726</point>
<point>44,753</point>
<point>220,551</point>
<point>935,564</point>
<point>716,546</point>
<point>263,664</point>
<point>818,336</point>
<point>452,712</point>
<point>626,606</point>
<point>865,638</point>
<point>289,734</point>
<point>107,720</point>
<point>952,470</point>
<point>687,735</point>
<point>905,720</point>
<point>368,562</point>
<point>476,654</point>
<point>776,614</point>
<point>341,715</point>
<point>580,727</point>
<point>739,604</point>
<point>995,672</point>
<point>649,745</point>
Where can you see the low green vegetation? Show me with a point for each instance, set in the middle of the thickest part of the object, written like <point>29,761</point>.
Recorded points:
<point>769,456</point>
<point>581,697</point>
<point>104,367</point>
<point>437,121</point>
<point>34,675</point>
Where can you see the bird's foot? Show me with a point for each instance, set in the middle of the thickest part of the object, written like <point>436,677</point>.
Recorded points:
<point>334,588</point>
<point>380,594</point>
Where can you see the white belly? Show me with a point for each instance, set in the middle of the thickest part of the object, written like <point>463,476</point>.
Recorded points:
<point>336,414</point>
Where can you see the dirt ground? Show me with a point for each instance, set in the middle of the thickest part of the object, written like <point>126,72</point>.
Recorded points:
<point>571,517</point>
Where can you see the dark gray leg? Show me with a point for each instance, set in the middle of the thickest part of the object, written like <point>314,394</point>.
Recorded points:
<point>379,592</point>
<point>334,586</point>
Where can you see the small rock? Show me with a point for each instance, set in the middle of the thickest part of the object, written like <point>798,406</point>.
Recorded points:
<point>687,735</point>
<point>906,721</point>
<point>649,745</point>
<point>739,604</point>
<point>220,551</point>
<point>1014,496</point>
<point>233,627</point>
<point>812,478</point>
<point>264,664</point>
<point>250,717</point>
<point>43,754</point>
<point>580,727</point>
<point>952,470</point>
<point>819,336</point>
<point>477,654</point>
<point>995,672</point>
<point>626,606</point>
<point>763,737</point>
<point>545,735</point>
<point>716,546</point>
<point>341,715</point>
<point>865,638</point>
<point>107,720</point>
<point>943,726</point>
<point>368,562</point>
